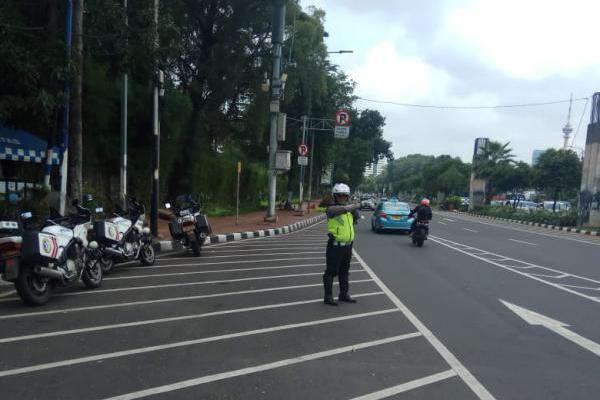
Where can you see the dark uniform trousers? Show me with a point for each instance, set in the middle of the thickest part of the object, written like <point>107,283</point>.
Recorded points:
<point>338,264</point>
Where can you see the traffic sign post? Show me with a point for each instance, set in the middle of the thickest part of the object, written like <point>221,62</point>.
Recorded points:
<point>341,132</point>
<point>342,117</point>
<point>342,125</point>
<point>303,150</point>
<point>302,161</point>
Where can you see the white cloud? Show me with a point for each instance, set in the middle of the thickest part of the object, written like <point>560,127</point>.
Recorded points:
<point>388,76</point>
<point>530,39</point>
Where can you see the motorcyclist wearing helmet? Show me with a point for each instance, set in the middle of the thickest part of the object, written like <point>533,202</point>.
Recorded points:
<point>341,218</point>
<point>423,212</point>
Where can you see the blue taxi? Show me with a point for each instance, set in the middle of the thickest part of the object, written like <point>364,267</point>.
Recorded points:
<point>392,215</point>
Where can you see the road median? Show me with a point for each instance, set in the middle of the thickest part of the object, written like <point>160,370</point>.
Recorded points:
<point>570,229</point>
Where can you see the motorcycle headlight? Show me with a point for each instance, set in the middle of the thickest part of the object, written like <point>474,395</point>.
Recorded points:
<point>93,245</point>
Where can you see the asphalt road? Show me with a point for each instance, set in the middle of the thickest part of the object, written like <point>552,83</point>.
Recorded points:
<point>246,321</point>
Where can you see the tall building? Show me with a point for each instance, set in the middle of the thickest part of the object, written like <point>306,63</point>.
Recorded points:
<point>535,156</point>
<point>376,168</point>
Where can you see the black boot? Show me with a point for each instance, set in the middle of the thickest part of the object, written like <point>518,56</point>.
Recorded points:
<point>328,286</point>
<point>330,301</point>
<point>345,297</point>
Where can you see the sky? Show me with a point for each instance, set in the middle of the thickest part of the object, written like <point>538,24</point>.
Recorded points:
<point>469,53</point>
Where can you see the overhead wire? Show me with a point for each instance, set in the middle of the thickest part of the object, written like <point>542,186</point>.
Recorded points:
<point>580,121</point>
<point>414,105</point>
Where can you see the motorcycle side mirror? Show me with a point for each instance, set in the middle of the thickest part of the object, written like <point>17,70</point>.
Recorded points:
<point>26,215</point>
<point>168,206</point>
<point>87,197</point>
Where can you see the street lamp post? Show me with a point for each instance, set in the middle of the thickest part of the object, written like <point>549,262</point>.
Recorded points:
<point>312,139</point>
<point>277,39</point>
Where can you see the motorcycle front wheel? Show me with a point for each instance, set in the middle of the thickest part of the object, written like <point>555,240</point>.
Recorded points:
<point>195,246</point>
<point>107,264</point>
<point>147,255</point>
<point>33,289</point>
<point>92,273</point>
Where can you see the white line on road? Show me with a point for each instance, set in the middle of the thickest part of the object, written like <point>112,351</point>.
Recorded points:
<point>471,230</point>
<point>8,293</point>
<point>581,287</point>
<point>259,368</point>
<point>249,255</point>
<point>167,300</point>
<point>259,249</point>
<point>448,219</point>
<point>165,320</point>
<point>197,264</point>
<point>555,236</point>
<point>560,328</point>
<point>450,358</point>
<point>183,284</point>
<point>405,387</point>
<point>214,271</point>
<point>454,246</point>
<point>149,349</point>
<point>522,241</point>
<point>443,223</point>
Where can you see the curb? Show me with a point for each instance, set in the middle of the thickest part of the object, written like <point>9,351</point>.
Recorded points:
<point>162,246</point>
<point>537,224</point>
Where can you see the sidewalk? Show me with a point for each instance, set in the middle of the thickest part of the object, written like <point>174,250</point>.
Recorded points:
<point>249,222</point>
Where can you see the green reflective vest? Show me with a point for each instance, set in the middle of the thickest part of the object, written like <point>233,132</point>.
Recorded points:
<point>342,227</point>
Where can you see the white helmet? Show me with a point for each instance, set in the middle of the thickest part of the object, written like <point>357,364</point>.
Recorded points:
<point>341,189</point>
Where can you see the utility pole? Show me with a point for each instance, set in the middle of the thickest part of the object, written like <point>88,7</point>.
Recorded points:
<point>76,139</point>
<point>64,167</point>
<point>156,133</point>
<point>277,39</point>
<point>310,168</point>
<point>123,172</point>
<point>304,129</point>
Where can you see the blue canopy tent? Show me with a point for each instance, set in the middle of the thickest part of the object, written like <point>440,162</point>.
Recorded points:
<point>18,145</point>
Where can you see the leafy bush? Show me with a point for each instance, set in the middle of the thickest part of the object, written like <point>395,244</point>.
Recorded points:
<point>454,201</point>
<point>567,218</point>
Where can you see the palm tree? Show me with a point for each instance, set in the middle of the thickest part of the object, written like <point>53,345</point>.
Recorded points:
<point>495,156</point>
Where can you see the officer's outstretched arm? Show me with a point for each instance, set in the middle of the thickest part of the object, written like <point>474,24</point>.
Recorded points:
<point>334,211</point>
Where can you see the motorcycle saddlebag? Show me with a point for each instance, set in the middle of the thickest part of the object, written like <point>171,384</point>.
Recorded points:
<point>106,232</point>
<point>175,229</point>
<point>38,246</point>
<point>202,223</point>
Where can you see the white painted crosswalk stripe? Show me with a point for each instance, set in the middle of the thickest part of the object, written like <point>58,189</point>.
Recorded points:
<point>260,368</point>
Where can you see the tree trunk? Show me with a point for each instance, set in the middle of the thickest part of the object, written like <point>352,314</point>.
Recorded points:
<point>75,136</point>
<point>555,199</point>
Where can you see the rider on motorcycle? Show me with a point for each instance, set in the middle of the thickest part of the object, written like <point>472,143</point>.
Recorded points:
<point>423,212</point>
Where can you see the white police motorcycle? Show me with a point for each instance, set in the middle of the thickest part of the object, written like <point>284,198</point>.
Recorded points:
<point>54,253</point>
<point>124,237</point>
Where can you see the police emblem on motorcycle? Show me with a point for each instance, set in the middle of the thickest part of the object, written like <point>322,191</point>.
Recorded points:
<point>112,232</point>
<point>46,246</point>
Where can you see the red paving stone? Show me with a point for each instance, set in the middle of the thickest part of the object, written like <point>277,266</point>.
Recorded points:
<point>247,222</point>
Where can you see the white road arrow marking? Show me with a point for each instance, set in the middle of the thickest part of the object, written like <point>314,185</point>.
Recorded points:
<point>555,326</point>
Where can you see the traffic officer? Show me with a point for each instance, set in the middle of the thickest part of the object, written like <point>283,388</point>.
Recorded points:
<point>341,218</point>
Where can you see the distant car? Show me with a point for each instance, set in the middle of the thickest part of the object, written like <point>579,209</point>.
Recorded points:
<point>528,206</point>
<point>560,206</point>
<point>367,203</point>
<point>392,215</point>
<point>383,199</point>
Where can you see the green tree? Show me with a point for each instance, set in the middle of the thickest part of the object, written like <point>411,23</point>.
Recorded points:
<point>512,178</point>
<point>558,172</point>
